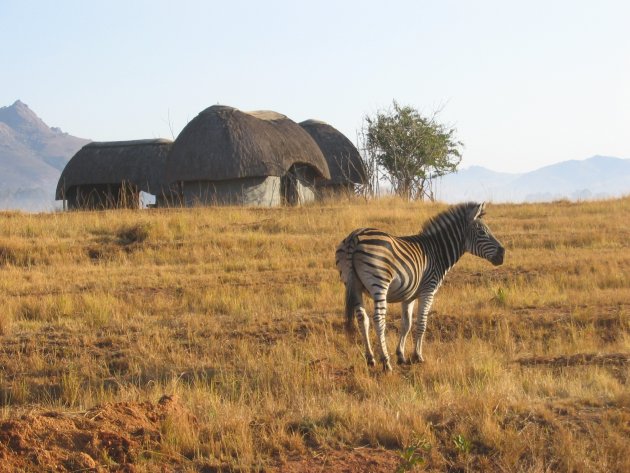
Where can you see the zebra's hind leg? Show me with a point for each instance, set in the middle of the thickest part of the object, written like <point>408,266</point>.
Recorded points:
<point>364,327</point>
<point>380,311</point>
<point>405,328</point>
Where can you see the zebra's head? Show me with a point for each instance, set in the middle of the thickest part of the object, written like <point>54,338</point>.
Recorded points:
<point>479,239</point>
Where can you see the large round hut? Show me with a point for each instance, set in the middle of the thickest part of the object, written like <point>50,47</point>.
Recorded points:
<point>344,161</point>
<point>226,156</point>
<point>104,175</point>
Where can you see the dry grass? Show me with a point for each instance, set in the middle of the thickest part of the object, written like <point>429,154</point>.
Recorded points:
<point>239,313</point>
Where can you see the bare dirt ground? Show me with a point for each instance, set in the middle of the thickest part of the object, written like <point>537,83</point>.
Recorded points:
<point>343,461</point>
<point>120,437</point>
<point>112,434</point>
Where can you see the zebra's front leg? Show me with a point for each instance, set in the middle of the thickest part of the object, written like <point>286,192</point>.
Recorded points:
<point>380,312</point>
<point>364,327</point>
<point>421,325</point>
<point>405,328</point>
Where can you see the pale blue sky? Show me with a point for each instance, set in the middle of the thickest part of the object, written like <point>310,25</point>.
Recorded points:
<point>525,83</point>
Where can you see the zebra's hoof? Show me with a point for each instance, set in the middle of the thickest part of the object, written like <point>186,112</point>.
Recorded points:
<point>387,367</point>
<point>402,360</point>
<point>371,362</point>
<point>417,358</point>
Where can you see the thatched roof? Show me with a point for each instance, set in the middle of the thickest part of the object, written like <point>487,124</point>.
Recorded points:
<point>139,162</point>
<point>225,143</point>
<point>344,160</point>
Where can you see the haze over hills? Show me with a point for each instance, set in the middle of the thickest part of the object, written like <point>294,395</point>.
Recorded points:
<point>595,178</point>
<point>32,156</point>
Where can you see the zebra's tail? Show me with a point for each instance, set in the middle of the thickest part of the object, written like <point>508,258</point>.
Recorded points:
<point>354,293</point>
<point>354,298</point>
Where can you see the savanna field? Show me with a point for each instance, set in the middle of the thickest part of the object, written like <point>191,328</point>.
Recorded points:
<point>212,339</point>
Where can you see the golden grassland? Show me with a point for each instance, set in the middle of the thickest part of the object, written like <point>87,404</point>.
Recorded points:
<point>238,312</point>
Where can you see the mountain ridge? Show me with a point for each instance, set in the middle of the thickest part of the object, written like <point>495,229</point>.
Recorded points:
<point>32,156</point>
<point>595,177</point>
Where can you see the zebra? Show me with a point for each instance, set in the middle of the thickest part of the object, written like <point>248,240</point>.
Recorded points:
<point>403,269</point>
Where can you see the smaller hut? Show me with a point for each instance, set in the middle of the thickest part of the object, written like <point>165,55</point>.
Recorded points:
<point>344,161</point>
<point>106,175</point>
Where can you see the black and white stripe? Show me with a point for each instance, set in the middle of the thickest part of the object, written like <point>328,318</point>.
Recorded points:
<point>409,268</point>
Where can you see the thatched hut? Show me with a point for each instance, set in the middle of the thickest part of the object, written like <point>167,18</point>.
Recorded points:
<point>344,161</point>
<point>226,156</point>
<point>112,174</point>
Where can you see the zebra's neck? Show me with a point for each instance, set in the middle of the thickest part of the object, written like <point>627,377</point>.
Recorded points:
<point>443,249</point>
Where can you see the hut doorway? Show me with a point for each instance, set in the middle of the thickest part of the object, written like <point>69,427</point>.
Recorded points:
<point>289,187</point>
<point>297,186</point>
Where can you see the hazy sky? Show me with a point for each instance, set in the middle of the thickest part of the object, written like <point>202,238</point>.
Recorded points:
<point>526,83</point>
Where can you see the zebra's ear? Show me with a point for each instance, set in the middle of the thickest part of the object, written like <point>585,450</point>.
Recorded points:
<point>478,211</point>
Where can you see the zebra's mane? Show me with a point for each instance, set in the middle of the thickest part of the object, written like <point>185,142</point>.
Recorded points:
<point>456,215</point>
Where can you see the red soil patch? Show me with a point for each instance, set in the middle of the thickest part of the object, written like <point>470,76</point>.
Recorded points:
<point>361,460</point>
<point>111,437</point>
<point>114,438</point>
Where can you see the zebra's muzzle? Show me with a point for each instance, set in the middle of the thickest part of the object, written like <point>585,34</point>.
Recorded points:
<point>497,259</point>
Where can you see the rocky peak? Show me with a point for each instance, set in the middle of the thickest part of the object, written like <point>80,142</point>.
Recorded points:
<point>22,119</point>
